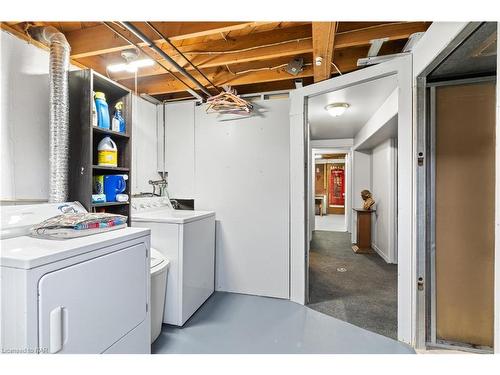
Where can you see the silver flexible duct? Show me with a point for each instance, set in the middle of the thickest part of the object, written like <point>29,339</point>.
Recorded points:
<point>59,110</point>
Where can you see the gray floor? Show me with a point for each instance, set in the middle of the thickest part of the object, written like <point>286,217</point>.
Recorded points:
<point>364,295</point>
<point>236,323</point>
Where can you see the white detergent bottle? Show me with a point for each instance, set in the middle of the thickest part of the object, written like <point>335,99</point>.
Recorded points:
<point>107,153</point>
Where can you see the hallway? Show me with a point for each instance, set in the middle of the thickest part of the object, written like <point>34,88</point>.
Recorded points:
<point>358,288</point>
<point>332,222</point>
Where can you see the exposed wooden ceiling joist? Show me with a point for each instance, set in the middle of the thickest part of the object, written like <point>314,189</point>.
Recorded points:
<point>237,53</point>
<point>100,40</point>
<point>323,34</point>
<point>393,31</point>
<point>294,42</point>
<point>164,83</point>
<point>302,33</point>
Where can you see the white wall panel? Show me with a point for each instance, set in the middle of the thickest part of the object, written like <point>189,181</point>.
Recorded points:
<point>383,189</point>
<point>242,173</point>
<point>24,104</point>
<point>144,145</point>
<point>361,180</point>
<point>180,140</point>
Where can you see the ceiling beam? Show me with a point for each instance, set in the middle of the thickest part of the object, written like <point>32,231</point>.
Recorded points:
<point>99,40</point>
<point>392,31</point>
<point>345,40</point>
<point>323,34</point>
<point>296,41</point>
<point>165,83</point>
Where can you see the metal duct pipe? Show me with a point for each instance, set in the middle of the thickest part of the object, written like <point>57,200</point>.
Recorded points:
<point>58,110</point>
<point>139,34</point>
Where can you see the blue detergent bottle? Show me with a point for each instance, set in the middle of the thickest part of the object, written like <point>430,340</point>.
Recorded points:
<point>118,122</point>
<point>102,110</point>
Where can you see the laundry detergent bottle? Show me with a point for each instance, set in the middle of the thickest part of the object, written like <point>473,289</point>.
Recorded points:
<point>118,122</point>
<point>107,153</point>
<point>94,111</point>
<point>102,110</point>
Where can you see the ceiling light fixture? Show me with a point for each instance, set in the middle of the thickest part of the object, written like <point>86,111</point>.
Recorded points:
<point>132,62</point>
<point>337,109</point>
<point>131,66</point>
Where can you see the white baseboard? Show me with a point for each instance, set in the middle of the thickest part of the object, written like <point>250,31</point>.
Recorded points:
<point>381,253</point>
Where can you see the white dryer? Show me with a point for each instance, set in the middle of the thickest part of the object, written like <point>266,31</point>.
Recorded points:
<point>187,240</point>
<point>79,295</point>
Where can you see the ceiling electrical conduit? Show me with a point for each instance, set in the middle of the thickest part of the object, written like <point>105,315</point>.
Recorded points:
<point>139,34</point>
<point>167,40</point>
<point>188,88</point>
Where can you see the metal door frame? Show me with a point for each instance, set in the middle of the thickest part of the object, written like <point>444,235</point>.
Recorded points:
<point>426,296</point>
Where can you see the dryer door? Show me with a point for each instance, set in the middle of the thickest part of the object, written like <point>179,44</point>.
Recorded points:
<point>87,307</point>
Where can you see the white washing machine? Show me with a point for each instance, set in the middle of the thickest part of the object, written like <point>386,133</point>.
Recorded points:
<point>187,240</point>
<point>81,295</point>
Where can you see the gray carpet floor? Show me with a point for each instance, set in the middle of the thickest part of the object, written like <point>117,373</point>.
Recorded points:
<point>365,294</point>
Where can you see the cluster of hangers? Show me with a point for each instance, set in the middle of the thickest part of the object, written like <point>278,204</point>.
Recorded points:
<point>228,101</point>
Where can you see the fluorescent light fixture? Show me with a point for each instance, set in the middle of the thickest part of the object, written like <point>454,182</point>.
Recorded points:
<point>337,109</point>
<point>130,67</point>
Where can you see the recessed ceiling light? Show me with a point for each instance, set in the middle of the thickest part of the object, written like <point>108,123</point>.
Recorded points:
<point>337,109</point>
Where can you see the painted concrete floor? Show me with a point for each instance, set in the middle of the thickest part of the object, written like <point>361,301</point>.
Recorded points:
<point>365,294</point>
<point>330,222</point>
<point>230,323</point>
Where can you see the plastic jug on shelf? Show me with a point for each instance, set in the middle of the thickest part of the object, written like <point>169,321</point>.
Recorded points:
<point>114,185</point>
<point>118,122</point>
<point>107,153</point>
<point>102,110</point>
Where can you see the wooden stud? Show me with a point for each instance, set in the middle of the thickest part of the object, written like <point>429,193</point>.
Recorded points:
<point>323,34</point>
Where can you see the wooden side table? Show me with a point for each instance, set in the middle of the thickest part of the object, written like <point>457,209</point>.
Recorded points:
<point>363,231</point>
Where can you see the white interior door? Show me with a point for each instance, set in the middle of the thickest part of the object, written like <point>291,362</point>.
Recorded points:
<point>300,198</point>
<point>87,307</point>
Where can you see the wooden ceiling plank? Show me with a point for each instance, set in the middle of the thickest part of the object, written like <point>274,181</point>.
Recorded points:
<point>342,41</point>
<point>294,41</point>
<point>323,34</point>
<point>393,31</point>
<point>287,50</point>
<point>99,39</point>
<point>164,83</point>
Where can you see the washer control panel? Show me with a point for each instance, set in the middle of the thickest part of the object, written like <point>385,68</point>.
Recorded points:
<point>149,203</point>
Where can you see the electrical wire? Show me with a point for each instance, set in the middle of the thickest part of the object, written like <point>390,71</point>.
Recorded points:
<point>259,69</point>
<point>279,43</point>
<point>245,49</point>
<point>336,67</point>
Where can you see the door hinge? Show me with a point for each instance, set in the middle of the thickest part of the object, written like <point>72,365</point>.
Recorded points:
<point>420,159</point>
<point>420,284</point>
